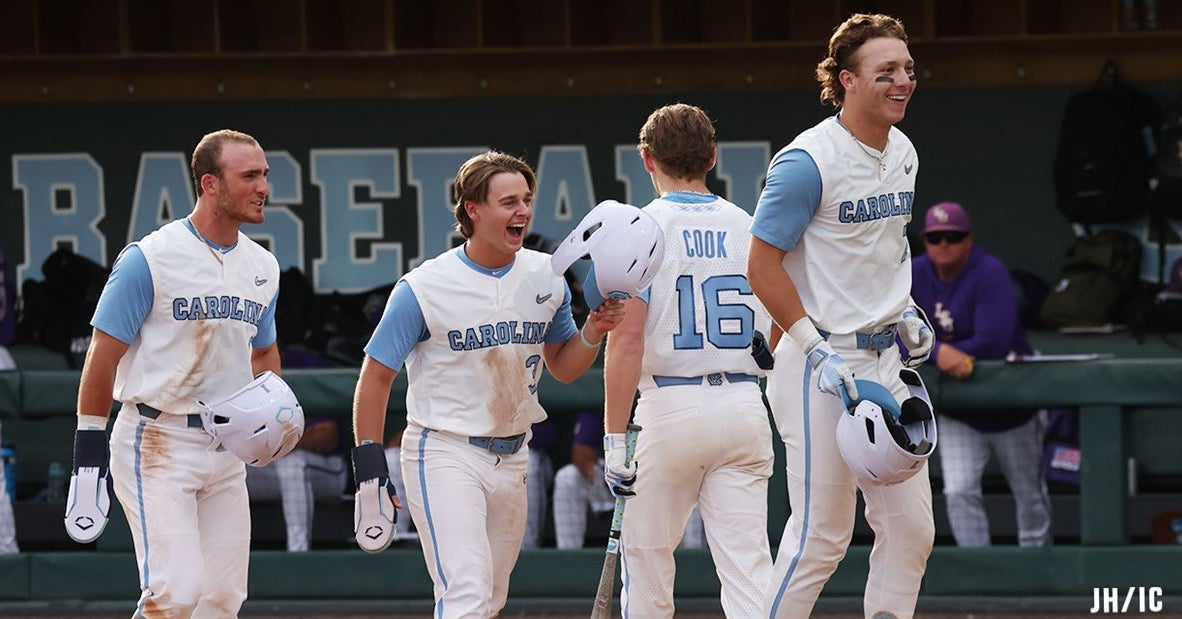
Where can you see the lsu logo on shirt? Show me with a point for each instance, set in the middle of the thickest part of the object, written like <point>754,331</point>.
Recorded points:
<point>224,307</point>
<point>499,334</point>
<point>876,207</point>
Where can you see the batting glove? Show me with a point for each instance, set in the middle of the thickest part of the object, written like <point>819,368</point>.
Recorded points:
<point>832,371</point>
<point>373,508</point>
<point>89,499</point>
<point>917,335</point>
<point>619,474</point>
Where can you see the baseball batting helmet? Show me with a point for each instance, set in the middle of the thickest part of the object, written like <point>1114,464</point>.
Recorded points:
<point>626,246</point>
<point>261,422</point>
<point>882,441</point>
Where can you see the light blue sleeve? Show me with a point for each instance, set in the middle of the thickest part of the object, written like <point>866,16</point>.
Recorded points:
<point>789,200</point>
<point>127,296</point>
<point>402,327</point>
<point>266,333</point>
<point>591,294</point>
<point>563,326</point>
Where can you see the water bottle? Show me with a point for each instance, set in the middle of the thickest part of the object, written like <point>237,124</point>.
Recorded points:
<point>56,492</point>
<point>8,454</point>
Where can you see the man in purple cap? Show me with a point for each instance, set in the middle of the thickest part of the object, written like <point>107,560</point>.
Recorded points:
<point>970,299</point>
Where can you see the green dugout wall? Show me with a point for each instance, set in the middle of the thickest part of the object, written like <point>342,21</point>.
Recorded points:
<point>1129,407</point>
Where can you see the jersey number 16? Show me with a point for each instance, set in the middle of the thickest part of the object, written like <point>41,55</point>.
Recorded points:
<point>689,338</point>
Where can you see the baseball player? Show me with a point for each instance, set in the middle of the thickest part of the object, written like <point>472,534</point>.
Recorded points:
<point>475,327</point>
<point>686,345</point>
<point>187,315</point>
<point>830,260</point>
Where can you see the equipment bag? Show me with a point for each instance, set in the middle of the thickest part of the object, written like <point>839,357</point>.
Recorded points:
<point>1098,280</point>
<point>1167,197</point>
<point>1106,152</point>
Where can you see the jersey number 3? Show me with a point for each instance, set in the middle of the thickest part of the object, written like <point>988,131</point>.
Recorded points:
<point>717,313</point>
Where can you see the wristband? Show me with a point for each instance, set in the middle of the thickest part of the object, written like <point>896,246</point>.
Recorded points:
<point>90,450</point>
<point>804,334</point>
<point>92,422</point>
<point>369,462</point>
<point>587,342</point>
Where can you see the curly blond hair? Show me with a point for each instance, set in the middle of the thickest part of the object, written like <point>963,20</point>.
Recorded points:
<point>844,44</point>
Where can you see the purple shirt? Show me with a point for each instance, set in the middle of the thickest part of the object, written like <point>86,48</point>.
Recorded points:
<point>589,429</point>
<point>545,434</point>
<point>977,312</point>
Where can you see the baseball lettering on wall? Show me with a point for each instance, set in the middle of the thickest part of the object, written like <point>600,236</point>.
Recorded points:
<point>344,244</point>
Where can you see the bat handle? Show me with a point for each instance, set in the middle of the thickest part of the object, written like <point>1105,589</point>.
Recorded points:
<point>630,442</point>
<point>618,514</point>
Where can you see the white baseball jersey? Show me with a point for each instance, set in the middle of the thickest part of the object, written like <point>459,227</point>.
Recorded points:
<point>852,266</point>
<point>195,342</point>
<point>487,335</point>
<point>701,311</point>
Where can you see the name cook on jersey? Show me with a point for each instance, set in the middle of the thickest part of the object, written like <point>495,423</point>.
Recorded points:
<point>212,308</point>
<point>503,332</point>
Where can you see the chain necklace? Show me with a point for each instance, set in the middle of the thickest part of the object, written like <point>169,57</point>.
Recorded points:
<point>205,242</point>
<point>879,156</point>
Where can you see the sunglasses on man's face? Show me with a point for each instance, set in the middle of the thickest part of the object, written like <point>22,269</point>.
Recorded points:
<point>951,236</point>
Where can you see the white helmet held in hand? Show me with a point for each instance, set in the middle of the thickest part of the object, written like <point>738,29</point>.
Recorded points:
<point>259,423</point>
<point>882,441</point>
<point>626,246</point>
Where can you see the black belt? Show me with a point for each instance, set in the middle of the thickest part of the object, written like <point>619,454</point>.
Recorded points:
<point>499,444</point>
<point>192,420</point>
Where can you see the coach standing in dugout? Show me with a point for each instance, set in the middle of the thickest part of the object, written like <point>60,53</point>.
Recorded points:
<point>186,504</point>
<point>830,261</point>
<point>475,327</point>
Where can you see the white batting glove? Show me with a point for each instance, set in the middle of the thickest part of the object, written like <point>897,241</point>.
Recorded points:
<point>89,500</point>
<point>619,474</point>
<point>917,335</point>
<point>832,371</point>
<point>374,509</point>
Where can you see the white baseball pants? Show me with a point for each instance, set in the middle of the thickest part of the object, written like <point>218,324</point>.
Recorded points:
<point>822,493</point>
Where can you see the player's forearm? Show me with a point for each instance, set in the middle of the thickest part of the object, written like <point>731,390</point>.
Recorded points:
<point>370,400</point>
<point>321,438</point>
<point>771,284</point>
<point>263,359</point>
<point>622,367</point>
<point>98,374</point>
<point>621,376</point>
<point>573,357</point>
<point>586,458</point>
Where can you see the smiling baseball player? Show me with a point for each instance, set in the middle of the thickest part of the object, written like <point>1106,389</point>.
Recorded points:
<point>187,315</point>
<point>475,327</point>
<point>830,261</point>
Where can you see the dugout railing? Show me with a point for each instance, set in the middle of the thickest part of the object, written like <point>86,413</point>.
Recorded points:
<point>1126,411</point>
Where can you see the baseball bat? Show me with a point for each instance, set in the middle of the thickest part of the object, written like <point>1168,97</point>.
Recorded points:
<point>607,578</point>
